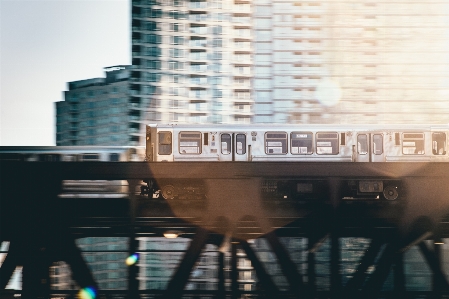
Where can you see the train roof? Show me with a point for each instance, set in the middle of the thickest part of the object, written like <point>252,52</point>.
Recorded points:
<point>344,127</point>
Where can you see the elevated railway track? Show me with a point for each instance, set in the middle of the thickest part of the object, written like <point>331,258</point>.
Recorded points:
<point>395,205</point>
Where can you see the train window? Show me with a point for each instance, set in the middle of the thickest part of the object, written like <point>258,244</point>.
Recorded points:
<point>241,144</point>
<point>327,143</point>
<point>11,157</point>
<point>275,143</point>
<point>69,158</point>
<point>165,143</point>
<point>114,157</point>
<point>90,157</point>
<point>49,158</point>
<point>190,142</point>
<point>225,144</point>
<point>301,143</point>
<point>362,144</point>
<point>413,144</point>
<point>439,143</point>
<point>378,144</point>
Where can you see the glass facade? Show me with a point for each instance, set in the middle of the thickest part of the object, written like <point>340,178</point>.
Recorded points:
<point>350,62</point>
<point>99,112</point>
<point>193,55</point>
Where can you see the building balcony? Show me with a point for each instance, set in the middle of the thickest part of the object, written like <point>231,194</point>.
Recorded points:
<point>236,86</point>
<point>198,17</point>
<point>198,68</point>
<point>197,5</point>
<point>201,30</point>
<point>242,73</point>
<point>241,62</point>
<point>198,43</point>
<point>241,101</point>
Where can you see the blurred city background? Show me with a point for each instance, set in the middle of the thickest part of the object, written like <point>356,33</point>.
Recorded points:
<point>261,61</point>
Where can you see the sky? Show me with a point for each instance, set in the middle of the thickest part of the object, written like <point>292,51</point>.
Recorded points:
<point>43,45</point>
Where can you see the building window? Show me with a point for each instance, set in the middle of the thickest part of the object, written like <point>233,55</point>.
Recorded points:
<point>153,26</point>
<point>154,64</point>
<point>154,13</point>
<point>153,38</point>
<point>176,27</point>
<point>175,65</point>
<point>217,42</point>
<point>153,77</point>
<point>177,40</point>
<point>217,93</point>
<point>153,51</point>
<point>177,53</point>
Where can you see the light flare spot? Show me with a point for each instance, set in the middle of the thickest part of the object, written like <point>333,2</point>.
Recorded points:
<point>87,293</point>
<point>328,92</point>
<point>132,259</point>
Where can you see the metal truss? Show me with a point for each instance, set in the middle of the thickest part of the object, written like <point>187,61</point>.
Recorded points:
<point>42,228</point>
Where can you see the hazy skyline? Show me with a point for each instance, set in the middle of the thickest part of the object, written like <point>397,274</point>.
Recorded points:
<point>44,45</point>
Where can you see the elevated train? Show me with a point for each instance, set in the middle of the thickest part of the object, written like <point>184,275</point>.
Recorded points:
<point>79,188</point>
<point>313,143</point>
<point>72,153</point>
<point>258,143</point>
<point>297,143</point>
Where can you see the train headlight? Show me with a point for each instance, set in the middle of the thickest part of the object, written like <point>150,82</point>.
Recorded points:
<point>391,192</point>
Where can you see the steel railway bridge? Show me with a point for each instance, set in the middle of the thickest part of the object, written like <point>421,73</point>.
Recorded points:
<point>231,203</point>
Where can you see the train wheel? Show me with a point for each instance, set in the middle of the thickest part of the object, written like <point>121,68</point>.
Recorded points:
<point>168,192</point>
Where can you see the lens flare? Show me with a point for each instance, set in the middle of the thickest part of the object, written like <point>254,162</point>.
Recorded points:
<point>328,92</point>
<point>87,293</point>
<point>132,259</point>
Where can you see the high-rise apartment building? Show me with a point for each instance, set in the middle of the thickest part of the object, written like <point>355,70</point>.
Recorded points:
<point>351,61</point>
<point>288,61</point>
<point>192,60</point>
<point>97,112</point>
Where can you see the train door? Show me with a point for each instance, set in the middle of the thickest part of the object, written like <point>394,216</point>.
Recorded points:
<point>233,147</point>
<point>370,147</point>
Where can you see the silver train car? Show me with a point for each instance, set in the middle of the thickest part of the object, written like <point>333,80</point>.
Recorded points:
<point>313,143</point>
<point>296,143</point>
<point>79,188</point>
<point>72,153</point>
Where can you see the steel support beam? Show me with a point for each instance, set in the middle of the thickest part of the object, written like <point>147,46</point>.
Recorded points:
<point>133,283</point>
<point>335,266</point>
<point>378,277</point>
<point>437,285</point>
<point>74,258</point>
<point>12,260</point>
<point>179,279</point>
<point>234,271</point>
<point>434,265</point>
<point>221,276</point>
<point>399,276</point>
<point>288,267</point>
<point>356,281</point>
<point>267,283</point>
<point>311,273</point>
